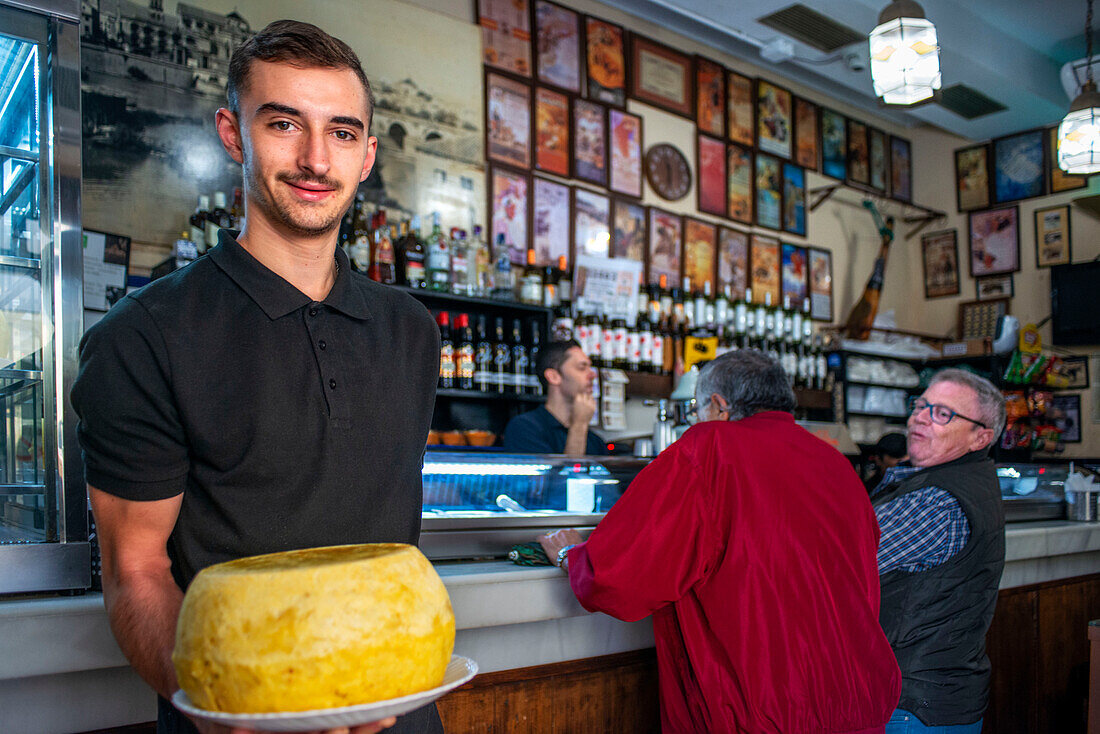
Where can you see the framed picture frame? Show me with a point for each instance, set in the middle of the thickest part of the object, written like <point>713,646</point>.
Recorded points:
<point>106,263</point>
<point>901,169</point>
<point>553,147</point>
<point>740,173</point>
<point>1057,179</point>
<point>821,284</point>
<point>1053,242</point>
<point>795,283</point>
<point>628,230</point>
<point>590,141</point>
<point>626,145</point>
<point>774,116</point>
<point>978,319</point>
<point>994,286</point>
<point>765,274</point>
<point>591,223</point>
<point>605,61</point>
<point>733,262</point>
<point>972,178</point>
<point>768,183</point>
<point>505,35</point>
<point>666,241</point>
<point>1067,408</point>
<point>1077,368</point>
<point>710,162</point>
<point>794,199</point>
<point>551,213</point>
<point>940,255</point>
<point>1019,166</point>
<point>507,120</point>
<point>557,46</point>
<point>807,150</point>
<point>710,97</point>
<point>834,145</point>
<point>859,156</point>
<point>994,241</point>
<point>509,209</point>
<point>700,253</point>
<point>879,159</point>
<point>740,109</point>
<point>660,76</point>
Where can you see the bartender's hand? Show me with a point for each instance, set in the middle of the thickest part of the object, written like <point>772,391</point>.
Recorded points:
<point>584,407</point>
<point>206,727</point>
<point>555,540</point>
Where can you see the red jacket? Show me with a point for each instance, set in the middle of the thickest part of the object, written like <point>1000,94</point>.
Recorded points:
<point>753,546</point>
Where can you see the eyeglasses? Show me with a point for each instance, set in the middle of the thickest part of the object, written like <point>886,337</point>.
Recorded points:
<point>941,414</point>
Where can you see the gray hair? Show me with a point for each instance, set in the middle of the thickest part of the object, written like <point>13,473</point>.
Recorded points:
<point>749,380</point>
<point>991,403</point>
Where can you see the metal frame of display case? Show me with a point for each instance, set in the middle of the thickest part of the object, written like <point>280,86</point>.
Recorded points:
<point>62,561</point>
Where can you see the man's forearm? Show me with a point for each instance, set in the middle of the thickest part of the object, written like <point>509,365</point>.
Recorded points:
<point>576,440</point>
<point>143,611</point>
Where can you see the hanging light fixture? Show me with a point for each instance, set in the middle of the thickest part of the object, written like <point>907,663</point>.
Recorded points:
<point>905,56</point>
<point>1079,133</point>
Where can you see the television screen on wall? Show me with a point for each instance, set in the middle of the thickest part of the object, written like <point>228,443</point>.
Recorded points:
<point>1073,303</point>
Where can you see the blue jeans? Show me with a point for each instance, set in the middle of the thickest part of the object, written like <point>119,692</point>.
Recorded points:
<point>903,722</point>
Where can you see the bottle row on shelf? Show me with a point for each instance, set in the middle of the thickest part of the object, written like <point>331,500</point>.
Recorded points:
<point>492,362</point>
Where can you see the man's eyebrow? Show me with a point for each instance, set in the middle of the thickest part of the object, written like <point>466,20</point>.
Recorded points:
<point>282,109</point>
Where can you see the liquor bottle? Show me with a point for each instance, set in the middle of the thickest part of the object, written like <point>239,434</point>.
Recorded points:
<point>463,264</point>
<point>236,211</point>
<point>665,297</point>
<point>565,284</point>
<point>502,359</point>
<point>862,316</point>
<point>382,267</point>
<point>563,313</point>
<point>607,342</point>
<point>668,354</point>
<point>699,316</point>
<point>657,350</point>
<point>722,310</point>
<point>216,220</point>
<point>359,252</point>
<point>446,351</point>
<point>483,357</point>
<point>483,264</point>
<point>619,346</point>
<point>549,287</point>
<point>594,350</point>
<point>520,363</point>
<point>530,287</point>
<point>645,344</point>
<point>653,307</point>
<point>688,320</point>
<point>410,256</point>
<point>197,221</point>
<point>679,316</point>
<point>633,345</point>
<point>533,384</point>
<point>821,365</point>
<point>437,253</point>
<point>504,282</point>
<point>465,364</point>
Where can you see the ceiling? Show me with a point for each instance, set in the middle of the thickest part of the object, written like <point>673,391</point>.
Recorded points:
<point>1011,51</point>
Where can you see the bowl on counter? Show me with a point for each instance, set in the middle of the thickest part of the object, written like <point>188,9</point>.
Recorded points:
<point>434,439</point>
<point>453,438</point>
<point>477,437</point>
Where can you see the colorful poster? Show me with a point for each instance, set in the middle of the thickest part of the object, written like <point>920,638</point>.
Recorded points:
<point>806,149</point>
<point>628,231</point>
<point>508,115</point>
<point>626,153</point>
<point>733,261</point>
<point>552,132</point>
<point>557,46</point>
<point>550,222</point>
<point>591,223</point>
<point>700,243</point>
<point>606,62</point>
<point>795,286</point>
<point>740,174</point>
<point>741,118</point>
<point>589,142</point>
<point>1018,171</point>
<point>505,35</point>
<point>940,253</point>
<point>794,199</point>
<point>665,243</point>
<point>509,208</point>
<point>773,119</point>
<point>765,278</point>
<point>769,189</point>
<point>712,175</point>
<point>834,145</point>
<point>821,284</point>
<point>710,97</point>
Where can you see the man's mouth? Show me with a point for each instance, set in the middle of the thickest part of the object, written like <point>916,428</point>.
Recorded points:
<point>310,190</point>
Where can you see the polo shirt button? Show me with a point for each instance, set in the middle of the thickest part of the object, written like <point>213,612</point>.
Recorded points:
<point>332,384</point>
<point>312,312</point>
<point>322,344</point>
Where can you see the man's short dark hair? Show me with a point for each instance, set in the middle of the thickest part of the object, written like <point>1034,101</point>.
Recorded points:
<point>891,444</point>
<point>552,357</point>
<point>297,43</point>
<point>749,380</point>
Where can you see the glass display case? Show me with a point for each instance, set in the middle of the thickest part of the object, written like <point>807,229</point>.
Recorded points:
<point>43,505</point>
<point>479,504</point>
<point>1033,491</point>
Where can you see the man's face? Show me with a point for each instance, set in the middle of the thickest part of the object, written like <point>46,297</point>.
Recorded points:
<point>301,138</point>
<point>576,374</point>
<point>930,443</point>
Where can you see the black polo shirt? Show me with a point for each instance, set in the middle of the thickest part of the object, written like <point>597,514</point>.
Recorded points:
<point>285,423</point>
<point>539,432</point>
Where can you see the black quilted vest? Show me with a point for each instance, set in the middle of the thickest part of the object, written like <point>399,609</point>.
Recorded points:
<point>936,620</point>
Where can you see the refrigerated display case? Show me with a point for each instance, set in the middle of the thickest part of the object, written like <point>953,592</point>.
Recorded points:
<point>1033,491</point>
<point>43,503</point>
<point>479,504</point>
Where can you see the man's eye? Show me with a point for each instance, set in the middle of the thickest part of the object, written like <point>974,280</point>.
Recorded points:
<point>344,135</point>
<point>281,125</point>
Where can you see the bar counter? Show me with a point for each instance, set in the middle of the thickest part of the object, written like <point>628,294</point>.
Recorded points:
<point>60,669</point>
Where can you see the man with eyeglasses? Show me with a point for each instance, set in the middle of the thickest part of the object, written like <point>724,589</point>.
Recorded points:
<point>941,554</point>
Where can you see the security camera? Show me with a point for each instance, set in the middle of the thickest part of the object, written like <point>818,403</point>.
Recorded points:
<point>855,61</point>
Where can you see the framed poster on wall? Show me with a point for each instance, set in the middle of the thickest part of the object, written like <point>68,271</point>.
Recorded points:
<point>605,61</point>
<point>660,76</point>
<point>557,46</point>
<point>821,284</point>
<point>505,34</point>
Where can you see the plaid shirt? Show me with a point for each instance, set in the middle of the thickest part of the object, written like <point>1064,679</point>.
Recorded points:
<point>921,529</point>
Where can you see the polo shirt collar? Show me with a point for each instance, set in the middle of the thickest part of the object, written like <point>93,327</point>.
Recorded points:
<point>274,294</point>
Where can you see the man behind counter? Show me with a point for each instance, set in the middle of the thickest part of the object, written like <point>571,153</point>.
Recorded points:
<point>561,425</point>
<point>244,404</point>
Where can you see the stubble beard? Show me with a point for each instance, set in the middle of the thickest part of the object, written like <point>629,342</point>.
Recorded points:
<point>299,218</point>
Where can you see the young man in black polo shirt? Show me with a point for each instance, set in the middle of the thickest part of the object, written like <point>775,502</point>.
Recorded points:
<point>266,397</point>
<point>561,425</point>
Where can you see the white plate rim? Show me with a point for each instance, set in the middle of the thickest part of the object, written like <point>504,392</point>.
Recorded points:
<point>469,669</point>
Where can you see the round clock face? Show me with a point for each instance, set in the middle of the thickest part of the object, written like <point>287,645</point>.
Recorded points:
<point>667,171</point>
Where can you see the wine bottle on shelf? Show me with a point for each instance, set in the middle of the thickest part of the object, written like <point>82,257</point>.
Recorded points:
<point>645,343</point>
<point>607,342</point>
<point>437,253</point>
<point>550,278</point>
<point>359,251</point>
<point>504,282</point>
<point>236,211</point>
<point>699,306</point>
<point>483,358</point>
<point>665,297</point>
<point>530,289</point>
<point>633,345</point>
<point>657,350</point>
<point>461,262</point>
<point>565,284</point>
<point>534,387</point>
<point>464,353</point>
<point>619,344</point>
<point>446,351</point>
<point>412,257</point>
<point>382,267</point>
<point>483,264</point>
<point>520,362</point>
<point>502,359</point>
<point>197,222</point>
<point>862,316</point>
<point>594,350</point>
<point>217,219</point>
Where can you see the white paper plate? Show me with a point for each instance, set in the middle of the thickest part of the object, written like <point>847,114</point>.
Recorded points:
<point>459,670</point>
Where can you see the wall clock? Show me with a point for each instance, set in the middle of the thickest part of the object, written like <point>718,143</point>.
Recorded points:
<point>667,171</point>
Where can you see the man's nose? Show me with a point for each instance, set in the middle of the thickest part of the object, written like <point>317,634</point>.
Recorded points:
<point>314,153</point>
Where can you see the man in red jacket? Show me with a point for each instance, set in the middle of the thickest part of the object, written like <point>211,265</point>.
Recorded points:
<point>752,544</point>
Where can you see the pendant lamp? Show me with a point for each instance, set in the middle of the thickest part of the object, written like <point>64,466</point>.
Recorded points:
<point>1079,133</point>
<point>905,55</point>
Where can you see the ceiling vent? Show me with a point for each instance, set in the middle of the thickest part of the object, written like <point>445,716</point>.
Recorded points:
<point>968,102</point>
<point>812,28</point>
